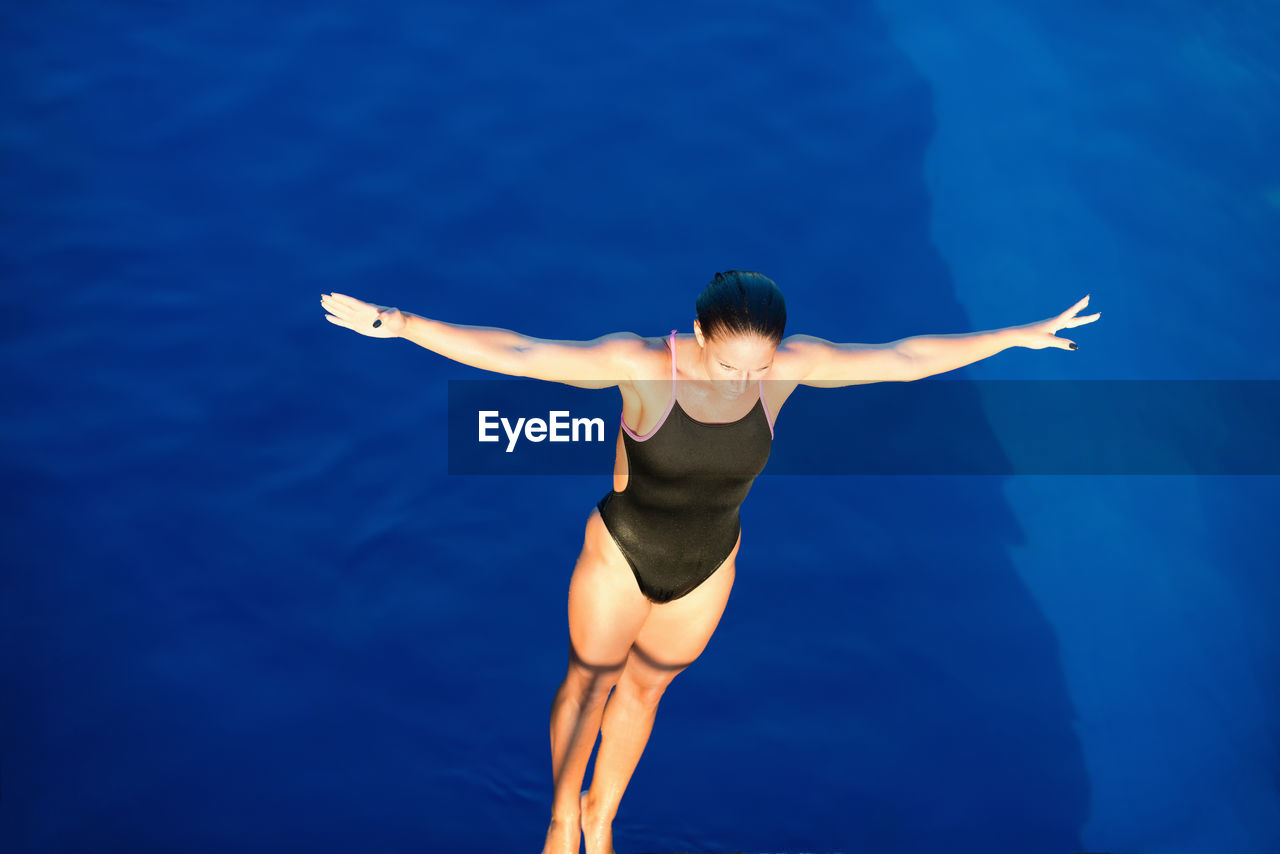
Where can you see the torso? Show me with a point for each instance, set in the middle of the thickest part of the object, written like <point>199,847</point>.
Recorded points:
<point>668,529</point>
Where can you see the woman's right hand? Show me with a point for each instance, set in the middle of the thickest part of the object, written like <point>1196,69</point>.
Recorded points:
<point>362,316</point>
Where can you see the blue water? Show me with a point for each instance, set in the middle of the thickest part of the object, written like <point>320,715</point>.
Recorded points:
<point>244,608</point>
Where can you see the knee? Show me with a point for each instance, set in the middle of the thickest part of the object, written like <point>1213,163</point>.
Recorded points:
<point>648,695</point>
<point>647,689</point>
<point>591,685</point>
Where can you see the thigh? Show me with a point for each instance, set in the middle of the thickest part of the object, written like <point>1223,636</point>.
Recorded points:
<point>606,607</point>
<point>675,633</point>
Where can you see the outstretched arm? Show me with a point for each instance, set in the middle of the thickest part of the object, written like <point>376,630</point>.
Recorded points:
<point>599,363</point>
<point>937,354</point>
<point>822,363</point>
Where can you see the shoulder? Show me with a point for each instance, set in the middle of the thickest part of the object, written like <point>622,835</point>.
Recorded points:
<point>794,357</point>
<point>643,356</point>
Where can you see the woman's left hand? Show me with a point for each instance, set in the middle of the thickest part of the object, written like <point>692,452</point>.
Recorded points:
<point>1041,334</point>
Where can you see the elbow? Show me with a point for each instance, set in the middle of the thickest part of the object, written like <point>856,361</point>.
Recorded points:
<point>915,371</point>
<point>512,361</point>
<point>910,366</point>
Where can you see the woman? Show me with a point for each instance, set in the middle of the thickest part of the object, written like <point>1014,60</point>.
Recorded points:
<point>657,559</point>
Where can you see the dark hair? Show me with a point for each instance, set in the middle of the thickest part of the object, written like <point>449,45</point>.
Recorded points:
<point>738,301</point>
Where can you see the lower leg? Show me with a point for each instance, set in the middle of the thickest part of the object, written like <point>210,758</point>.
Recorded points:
<point>627,722</point>
<point>575,722</point>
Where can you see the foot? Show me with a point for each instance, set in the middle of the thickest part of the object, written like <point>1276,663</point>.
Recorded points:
<point>597,827</point>
<point>563,836</point>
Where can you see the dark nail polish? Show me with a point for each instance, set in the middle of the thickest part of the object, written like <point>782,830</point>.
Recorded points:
<point>378,323</point>
<point>1074,346</point>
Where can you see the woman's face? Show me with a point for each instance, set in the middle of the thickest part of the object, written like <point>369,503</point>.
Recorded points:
<point>736,361</point>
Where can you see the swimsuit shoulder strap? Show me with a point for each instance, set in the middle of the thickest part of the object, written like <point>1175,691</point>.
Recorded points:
<point>768,416</point>
<point>673,362</point>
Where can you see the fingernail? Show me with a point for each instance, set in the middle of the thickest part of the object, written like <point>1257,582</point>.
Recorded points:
<point>1073,346</point>
<point>378,323</point>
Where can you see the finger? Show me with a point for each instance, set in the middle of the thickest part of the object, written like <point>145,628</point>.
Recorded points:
<point>338,322</point>
<point>331,304</point>
<point>334,308</point>
<point>1077,321</point>
<point>350,303</point>
<point>1081,304</point>
<point>1065,344</point>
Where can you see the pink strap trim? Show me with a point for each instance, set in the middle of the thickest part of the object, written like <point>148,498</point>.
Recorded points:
<point>672,341</point>
<point>767,416</point>
<point>670,404</point>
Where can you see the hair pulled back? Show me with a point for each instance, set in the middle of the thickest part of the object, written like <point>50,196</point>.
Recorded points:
<point>739,302</point>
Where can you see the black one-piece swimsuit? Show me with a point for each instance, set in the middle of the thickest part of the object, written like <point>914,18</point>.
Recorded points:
<point>677,520</point>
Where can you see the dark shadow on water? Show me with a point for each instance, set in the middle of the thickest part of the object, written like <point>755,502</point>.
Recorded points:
<point>882,679</point>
